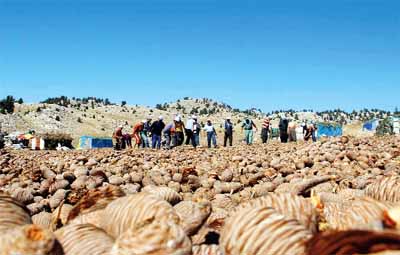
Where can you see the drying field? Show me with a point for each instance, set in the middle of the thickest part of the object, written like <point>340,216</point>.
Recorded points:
<point>336,196</point>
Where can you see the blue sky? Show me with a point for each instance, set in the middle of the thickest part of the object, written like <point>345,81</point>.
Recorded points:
<point>264,54</point>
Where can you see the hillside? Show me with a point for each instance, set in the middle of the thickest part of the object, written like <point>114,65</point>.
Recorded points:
<point>99,118</point>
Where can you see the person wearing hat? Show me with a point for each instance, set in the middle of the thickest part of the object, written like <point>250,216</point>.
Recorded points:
<point>228,132</point>
<point>156,131</point>
<point>136,133</point>
<point>211,134</point>
<point>179,128</point>
<point>189,130</point>
<point>117,135</point>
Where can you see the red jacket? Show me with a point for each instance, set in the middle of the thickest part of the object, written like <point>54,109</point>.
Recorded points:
<point>138,128</point>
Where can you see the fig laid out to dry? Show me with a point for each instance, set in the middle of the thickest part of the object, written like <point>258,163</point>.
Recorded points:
<point>335,196</point>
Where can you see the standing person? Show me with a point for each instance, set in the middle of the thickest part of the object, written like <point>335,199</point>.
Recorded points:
<point>211,134</point>
<point>196,132</point>
<point>228,132</point>
<point>144,133</point>
<point>283,128</point>
<point>189,130</point>
<point>169,134</point>
<point>179,128</point>
<point>292,131</point>
<point>1,140</point>
<point>266,126</point>
<point>136,133</point>
<point>118,137</point>
<point>304,125</point>
<point>156,131</point>
<point>248,126</point>
<point>313,134</point>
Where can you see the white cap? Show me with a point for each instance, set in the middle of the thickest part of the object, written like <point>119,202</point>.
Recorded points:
<point>144,121</point>
<point>160,117</point>
<point>177,118</point>
<point>229,118</point>
<point>120,126</point>
<point>194,117</point>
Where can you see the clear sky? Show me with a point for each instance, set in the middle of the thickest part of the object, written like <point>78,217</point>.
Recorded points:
<point>318,54</point>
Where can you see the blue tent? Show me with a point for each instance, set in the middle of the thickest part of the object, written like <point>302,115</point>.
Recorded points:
<point>90,142</point>
<point>329,130</point>
<point>370,125</point>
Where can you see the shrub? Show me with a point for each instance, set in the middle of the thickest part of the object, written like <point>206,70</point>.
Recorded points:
<point>62,101</point>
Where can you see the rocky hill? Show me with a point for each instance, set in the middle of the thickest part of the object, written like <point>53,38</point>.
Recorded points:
<point>96,117</point>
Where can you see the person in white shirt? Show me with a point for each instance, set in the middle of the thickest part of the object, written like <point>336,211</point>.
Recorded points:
<point>211,134</point>
<point>189,130</point>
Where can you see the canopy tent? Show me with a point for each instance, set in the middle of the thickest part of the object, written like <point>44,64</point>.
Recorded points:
<point>90,142</point>
<point>371,125</point>
<point>396,124</point>
<point>327,129</point>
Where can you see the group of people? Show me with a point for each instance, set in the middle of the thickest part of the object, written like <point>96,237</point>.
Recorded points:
<point>288,131</point>
<point>174,134</point>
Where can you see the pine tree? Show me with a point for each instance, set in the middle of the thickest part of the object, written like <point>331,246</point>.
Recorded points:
<point>7,105</point>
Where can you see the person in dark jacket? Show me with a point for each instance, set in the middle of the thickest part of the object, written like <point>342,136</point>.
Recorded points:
<point>156,132</point>
<point>228,132</point>
<point>266,129</point>
<point>1,140</point>
<point>283,130</point>
<point>189,130</point>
